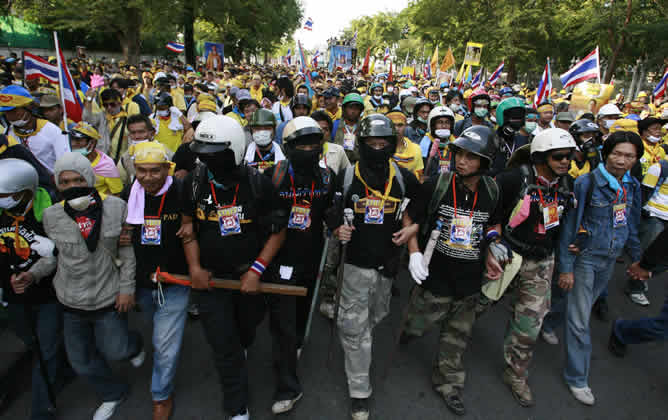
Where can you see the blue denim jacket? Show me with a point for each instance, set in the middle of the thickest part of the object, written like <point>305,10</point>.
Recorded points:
<point>596,217</point>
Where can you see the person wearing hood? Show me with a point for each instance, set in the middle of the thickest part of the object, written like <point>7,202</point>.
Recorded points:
<point>374,189</point>
<point>43,138</point>
<point>417,128</point>
<point>94,281</point>
<point>263,153</point>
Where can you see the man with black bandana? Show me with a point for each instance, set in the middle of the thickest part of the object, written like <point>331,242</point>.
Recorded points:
<point>510,117</point>
<point>375,188</point>
<point>235,214</point>
<point>304,186</point>
<point>95,280</point>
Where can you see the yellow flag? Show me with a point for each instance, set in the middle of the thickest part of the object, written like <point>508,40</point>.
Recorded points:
<point>434,62</point>
<point>373,65</point>
<point>448,60</point>
<point>461,73</point>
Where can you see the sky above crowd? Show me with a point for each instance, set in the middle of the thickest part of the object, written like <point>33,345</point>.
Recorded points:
<point>331,17</point>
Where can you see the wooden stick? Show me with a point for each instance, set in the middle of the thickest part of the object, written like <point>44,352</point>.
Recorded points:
<point>272,288</point>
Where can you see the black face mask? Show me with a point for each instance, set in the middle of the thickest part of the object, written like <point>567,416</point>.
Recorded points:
<point>304,162</point>
<point>375,159</point>
<point>222,165</point>
<point>76,192</point>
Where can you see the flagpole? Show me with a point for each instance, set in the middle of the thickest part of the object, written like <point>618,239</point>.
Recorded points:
<point>598,65</point>
<point>60,80</point>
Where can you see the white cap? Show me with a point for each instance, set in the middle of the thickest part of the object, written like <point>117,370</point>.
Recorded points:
<point>609,109</point>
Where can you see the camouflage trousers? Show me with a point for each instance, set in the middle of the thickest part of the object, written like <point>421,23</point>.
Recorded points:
<point>455,319</point>
<point>328,283</point>
<point>531,304</point>
<point>365,301</point>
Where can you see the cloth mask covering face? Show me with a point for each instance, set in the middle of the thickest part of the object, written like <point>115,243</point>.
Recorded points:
<point>262,138</point>
<point>79,198</point>
<point>422,120</point>
<point>8,203</point>
<point>530,126</point>
<point>377,98</point>
<point>222,165</point>
<point>162,113</point>
<point>442,133</point>
<point>608,123</point>
<point>653,139</point>
<point>21,123</point>
<point>481,112</point>
<point>305,162</point>
<point>376,158</point>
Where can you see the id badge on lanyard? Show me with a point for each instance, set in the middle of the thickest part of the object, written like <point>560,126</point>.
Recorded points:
<point>348,141</point>
<point>374,213</point>
<point>619,215</point>
<point>300,217</point>
<point>228,219</point>
<point>443,161</point>
<point>151,231</point>
<point>460,232</point>
<point>551,215</point>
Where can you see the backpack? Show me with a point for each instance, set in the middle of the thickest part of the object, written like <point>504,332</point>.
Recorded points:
<point>442,188</point>
<point>349,175</point>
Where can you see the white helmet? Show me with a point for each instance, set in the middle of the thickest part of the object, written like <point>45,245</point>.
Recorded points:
<point>218,133</point>
<point>17,175</point>
<point>552,139</point>
<point>608,109</point>
<point>440,111</point>
<point>299,127</point>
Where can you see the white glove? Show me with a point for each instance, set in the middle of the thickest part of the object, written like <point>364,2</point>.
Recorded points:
<point>501,253</point>
<point>416,267</point>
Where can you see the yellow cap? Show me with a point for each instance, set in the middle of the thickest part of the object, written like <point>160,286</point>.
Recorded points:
<point>207,105</point>
<point>87,130</point>
<point>625,124</point>
<point>150,152</point>
<point>642,94</point>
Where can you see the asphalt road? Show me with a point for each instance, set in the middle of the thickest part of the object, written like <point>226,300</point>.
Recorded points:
<point>631,388</point>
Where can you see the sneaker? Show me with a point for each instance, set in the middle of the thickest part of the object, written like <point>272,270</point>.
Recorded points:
<point>519,388</point>
<point>360,408</point>
<point>327,309</point>
<point>284,406</point>
<point>584,395</point>
<point>138,360</point>
<point>244,416</point>
<point>639,298</point>
<point>549,337</point>
<point>454,402</point>
<point>615,345</point>
<point>106,410</point>
<point>601,309</point>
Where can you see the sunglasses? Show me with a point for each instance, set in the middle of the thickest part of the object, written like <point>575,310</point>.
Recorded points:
<point>561,156</point>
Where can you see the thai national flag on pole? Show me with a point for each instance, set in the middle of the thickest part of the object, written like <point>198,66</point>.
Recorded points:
<point>68,92</point>
<point>387,54</point>
<point>308,25</point>
<point>661,88</point>
<point>288,57</point>
<point>175,47</point>
<point>307,74</point>
<point>35,67</point>
<point>477,79</point>
<point>585,69</point>
<point>426,71</point>
<point>496,75</point>
<point>545,85</point>
<point>315,58</point>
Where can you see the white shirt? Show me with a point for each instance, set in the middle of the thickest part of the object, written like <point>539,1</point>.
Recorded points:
<point>47,144</point>
<point>277,109</point>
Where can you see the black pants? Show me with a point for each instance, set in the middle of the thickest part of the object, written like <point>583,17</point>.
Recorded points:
<point>305,277</point>
<point>229,320</point>
<point>282,324</point>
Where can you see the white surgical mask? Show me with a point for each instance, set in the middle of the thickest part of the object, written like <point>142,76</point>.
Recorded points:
<point>162,113</point>
<point>80,203</point>
<point>138,141</point>
<point>529,126</point>
<point>378,98</point>
<point>20,123</point>
<point>390,89</point>
<point>8,203</point>
<point>608,123</point>
<point>481,112</point>
<point>83,150</point>
<point>653,139</point>
<point>442,133</point>
<point>454,107</point>
<point>262,138</point>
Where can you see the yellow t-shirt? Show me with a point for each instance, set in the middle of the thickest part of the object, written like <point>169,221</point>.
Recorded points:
<point>335,116</point>
<point>653,154</point>
<point>107,178</point>
<point>256,93</point>
<point>165,135</point>
<point>409,156</point>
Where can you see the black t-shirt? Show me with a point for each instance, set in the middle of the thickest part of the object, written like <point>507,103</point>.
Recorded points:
<point>530,232</point>
<point>303,247</point>
<point>184,158</point>
<point>231,255</point>
<point>506,149</point>
<point>168,255</point>
<point>263,161</point>
<point>33,244</point>
<point>371,245</point>
<point>457,266</point>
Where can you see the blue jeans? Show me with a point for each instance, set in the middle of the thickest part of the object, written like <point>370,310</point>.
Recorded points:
<point>592,274</point>
<point>635,331</point>
<point>48,319</point>
<point>92,338</point>
<point>168,323</point>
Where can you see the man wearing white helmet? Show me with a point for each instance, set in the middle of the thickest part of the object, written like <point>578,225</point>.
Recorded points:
<point>434,144</point>
<point>235,212</point>
<point>536,194</point>
<point>607,115</point>
<point>28,264</point>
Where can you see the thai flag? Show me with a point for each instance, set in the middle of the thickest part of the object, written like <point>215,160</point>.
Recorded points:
<point>175,47</point>
<point>545,85</point>
<point>496,75</point>
<point>660,89</point>
<point>68,91</point>
<point>307,74</point>
<point>315,58</point>
<point>426,71</point>
<point>35,67</point>
<point>585,69</point>
<point>288,57</point>
<point>387,54</point>
<point>308,25</point>
<point>477,79</point>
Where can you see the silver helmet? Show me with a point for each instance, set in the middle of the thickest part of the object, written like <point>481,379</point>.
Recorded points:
<point>17,175</point>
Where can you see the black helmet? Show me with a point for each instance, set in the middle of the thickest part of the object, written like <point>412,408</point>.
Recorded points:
<point>377,125</point>
<point>418,104</point>
<point>164,99</point>
<point>477,139</point>
<point>583,126</point>
<point>300,99</point>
